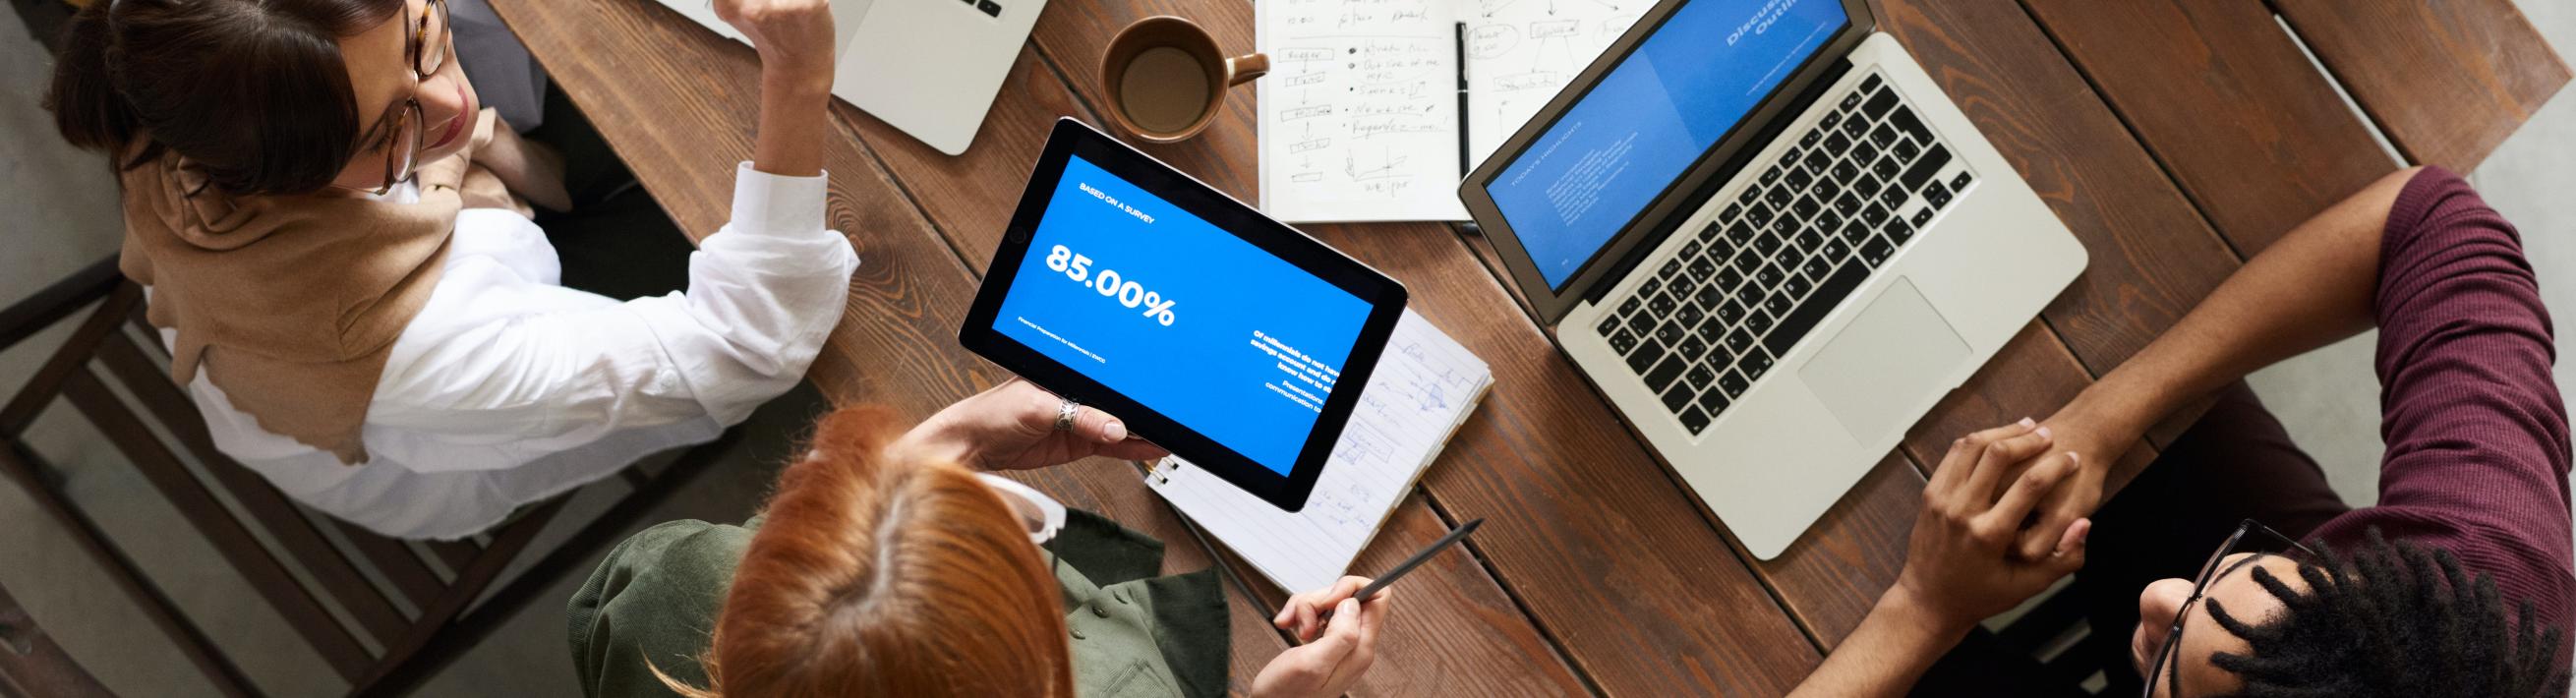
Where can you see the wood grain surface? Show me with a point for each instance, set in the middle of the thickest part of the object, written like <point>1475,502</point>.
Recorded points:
<point>1598,572</point>
<point>2447,80</point>
<point>2268,143</point>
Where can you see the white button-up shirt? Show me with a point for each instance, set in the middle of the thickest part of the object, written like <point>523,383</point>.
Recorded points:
<point>508,388</point>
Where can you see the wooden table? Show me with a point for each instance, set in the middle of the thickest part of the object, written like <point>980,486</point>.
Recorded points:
<point>2175,137</point>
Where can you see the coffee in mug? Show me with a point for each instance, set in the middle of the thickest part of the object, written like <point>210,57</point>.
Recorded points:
<point>1166,79</point>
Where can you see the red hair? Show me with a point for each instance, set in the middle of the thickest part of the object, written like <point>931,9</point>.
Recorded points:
<point>878,577</point>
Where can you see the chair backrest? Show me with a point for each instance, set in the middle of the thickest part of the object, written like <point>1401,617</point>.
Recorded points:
<point>363,602</point>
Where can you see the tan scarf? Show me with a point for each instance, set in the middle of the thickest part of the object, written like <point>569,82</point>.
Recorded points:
<point>290,304</point>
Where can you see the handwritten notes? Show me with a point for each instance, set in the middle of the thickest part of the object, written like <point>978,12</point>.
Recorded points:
<point>1521,52</point>
<point>1360,116</point>
<point>1424,387</point>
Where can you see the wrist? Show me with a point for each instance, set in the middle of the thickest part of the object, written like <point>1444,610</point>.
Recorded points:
<point>1921,616</point>
<point>794,83</point>
<point>933,441</point>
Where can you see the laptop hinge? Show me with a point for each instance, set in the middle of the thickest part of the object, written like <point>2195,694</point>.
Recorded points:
<point>1736,163</point>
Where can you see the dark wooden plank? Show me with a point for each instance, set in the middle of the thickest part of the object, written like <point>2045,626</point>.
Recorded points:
<point>42,388</point>
<point>455,554</point>
<point>2153,256</point>
<point>265,504</point>
<point>56,301</point>
<point>19,466</point>
<point>2447,81</point>
<point>417,583</point>
<point>243,552</point>
<point>2249,128</point>
<point>32,664</point>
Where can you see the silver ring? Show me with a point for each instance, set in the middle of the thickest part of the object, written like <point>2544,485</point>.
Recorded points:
<point>1064,415</point>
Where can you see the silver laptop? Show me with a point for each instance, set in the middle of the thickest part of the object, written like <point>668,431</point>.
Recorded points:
<point>1764,233</point>
<point>928,67</point>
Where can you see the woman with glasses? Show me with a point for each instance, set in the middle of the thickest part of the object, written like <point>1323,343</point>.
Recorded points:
<point>2228,565</point>
<point>327,228</point>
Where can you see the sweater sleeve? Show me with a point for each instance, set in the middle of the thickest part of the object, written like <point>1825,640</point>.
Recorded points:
<point>2476,432</point>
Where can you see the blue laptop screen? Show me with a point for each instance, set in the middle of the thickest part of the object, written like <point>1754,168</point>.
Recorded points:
<point>1180,315</point>
<point>1589,174</point>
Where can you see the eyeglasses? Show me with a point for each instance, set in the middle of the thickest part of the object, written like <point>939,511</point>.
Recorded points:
<point>425,60</point>
<point>2264,541</point>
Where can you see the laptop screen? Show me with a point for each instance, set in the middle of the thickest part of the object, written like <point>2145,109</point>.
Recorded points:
<point>1685,87</point>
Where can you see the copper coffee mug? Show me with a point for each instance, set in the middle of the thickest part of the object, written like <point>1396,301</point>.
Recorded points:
<point>1166,79</point>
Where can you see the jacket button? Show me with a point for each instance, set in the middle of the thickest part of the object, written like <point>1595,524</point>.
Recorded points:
<point>1099,609</point>
<point>1077,633</point>
<point>1119,594</point>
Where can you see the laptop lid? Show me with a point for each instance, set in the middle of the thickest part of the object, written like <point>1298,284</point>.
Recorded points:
<point>1643,133</point>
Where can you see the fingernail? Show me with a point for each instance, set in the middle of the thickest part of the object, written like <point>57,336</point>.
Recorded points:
<point>2073,457</point>
<point>1115,431</point>
<point>2043,432</point>
<point>1349,606</point>
<point>2025,421</point>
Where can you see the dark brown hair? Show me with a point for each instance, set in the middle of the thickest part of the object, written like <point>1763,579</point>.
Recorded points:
<point>874,576</point>
<point>252,92</point>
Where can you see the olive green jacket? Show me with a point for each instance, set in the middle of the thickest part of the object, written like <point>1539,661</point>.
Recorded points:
<point>656,597</point>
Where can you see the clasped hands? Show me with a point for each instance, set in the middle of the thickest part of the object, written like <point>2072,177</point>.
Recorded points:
<point>2003,518</point>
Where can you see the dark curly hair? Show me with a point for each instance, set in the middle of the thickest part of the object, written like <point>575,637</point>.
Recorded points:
<point>2391,620</point>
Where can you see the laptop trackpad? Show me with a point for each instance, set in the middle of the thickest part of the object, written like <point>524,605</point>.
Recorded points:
<point>1877,372</point>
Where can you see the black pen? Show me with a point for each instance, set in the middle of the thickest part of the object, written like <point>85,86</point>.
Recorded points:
<point>1366,592</point>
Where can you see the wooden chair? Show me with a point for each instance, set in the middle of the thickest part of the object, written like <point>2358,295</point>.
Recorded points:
<point>383,632</point>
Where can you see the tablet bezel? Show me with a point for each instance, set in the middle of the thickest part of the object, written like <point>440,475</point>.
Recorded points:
<point>1384,295</point>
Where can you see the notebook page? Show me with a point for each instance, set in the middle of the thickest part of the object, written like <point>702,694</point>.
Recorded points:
<point>1423,388</point>
<point>1520,52</point>
<point>1359,115</point>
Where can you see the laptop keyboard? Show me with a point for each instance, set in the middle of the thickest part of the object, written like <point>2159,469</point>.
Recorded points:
<point>1780,255</point>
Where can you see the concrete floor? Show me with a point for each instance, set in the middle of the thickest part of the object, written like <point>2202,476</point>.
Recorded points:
<point>61,210</point>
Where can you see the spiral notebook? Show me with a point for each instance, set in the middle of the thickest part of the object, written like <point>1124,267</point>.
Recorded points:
<point>1425,386</point>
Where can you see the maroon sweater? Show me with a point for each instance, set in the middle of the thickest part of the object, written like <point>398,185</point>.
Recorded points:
<point>2477,436</point>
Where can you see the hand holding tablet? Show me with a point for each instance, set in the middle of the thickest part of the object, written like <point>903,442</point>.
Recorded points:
<point>1229,338</point>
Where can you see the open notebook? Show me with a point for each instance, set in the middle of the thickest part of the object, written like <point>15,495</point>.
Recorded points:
<point>1424,387</point>
<point>1375,109</point>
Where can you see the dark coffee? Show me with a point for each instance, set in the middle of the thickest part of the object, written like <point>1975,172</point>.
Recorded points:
<point>1165,89</point>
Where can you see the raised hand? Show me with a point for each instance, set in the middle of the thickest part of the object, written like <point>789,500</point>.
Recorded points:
<point>792,35</point>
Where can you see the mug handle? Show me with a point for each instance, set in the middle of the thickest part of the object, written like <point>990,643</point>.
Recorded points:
<point>1245,68</point>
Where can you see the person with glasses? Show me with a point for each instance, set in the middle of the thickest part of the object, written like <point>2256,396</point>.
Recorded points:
<point>328,229</point>
<point>2228,565</point>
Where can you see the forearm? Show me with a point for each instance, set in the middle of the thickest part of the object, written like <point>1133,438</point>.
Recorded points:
<point>795,116</point>
<point>1891,649</point>
<point>2311,288</point>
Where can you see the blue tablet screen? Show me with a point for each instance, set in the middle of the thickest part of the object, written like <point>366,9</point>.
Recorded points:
<point>1181,316</point>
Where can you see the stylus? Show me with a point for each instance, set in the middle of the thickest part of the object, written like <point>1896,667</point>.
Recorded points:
<point>1370,591</point>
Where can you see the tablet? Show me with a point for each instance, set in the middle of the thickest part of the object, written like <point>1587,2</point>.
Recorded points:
<point>1231,339</point>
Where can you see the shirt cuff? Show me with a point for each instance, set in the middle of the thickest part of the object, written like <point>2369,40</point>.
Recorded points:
<point>771,205</point>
